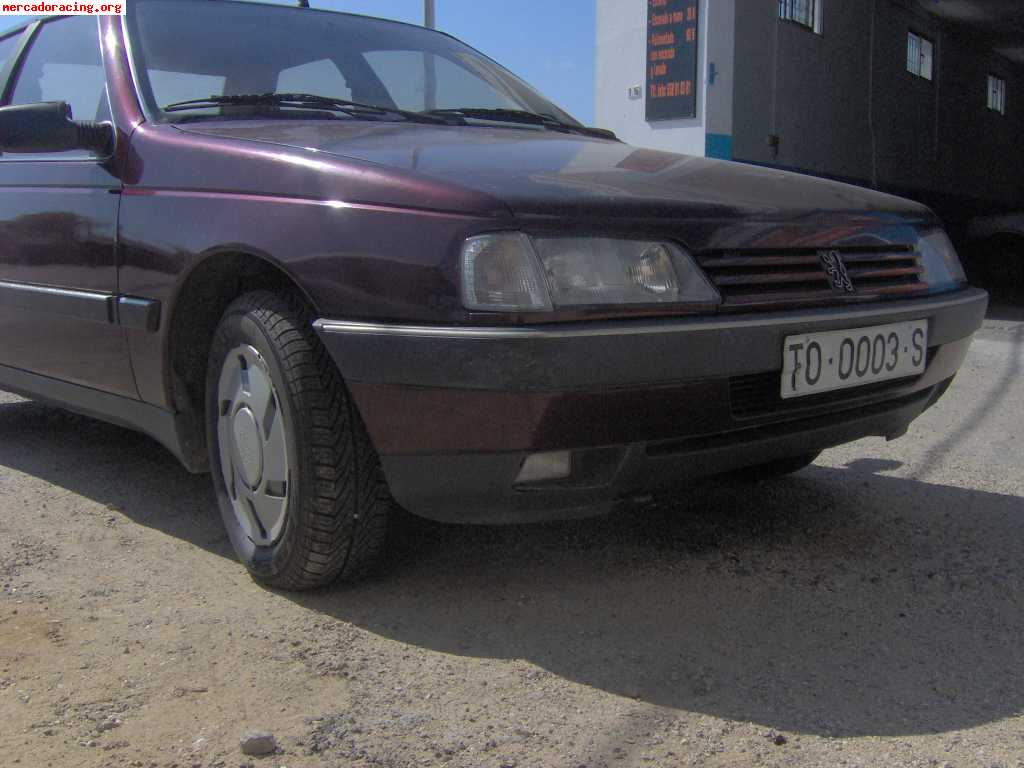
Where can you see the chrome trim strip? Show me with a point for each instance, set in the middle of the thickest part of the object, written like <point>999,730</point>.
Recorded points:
<point>428,331</point>
<point>918,308</point>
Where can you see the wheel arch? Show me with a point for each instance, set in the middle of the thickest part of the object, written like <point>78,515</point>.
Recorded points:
<point>204,292</point>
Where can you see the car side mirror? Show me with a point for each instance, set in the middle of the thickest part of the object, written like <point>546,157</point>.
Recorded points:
<point>47,127</point>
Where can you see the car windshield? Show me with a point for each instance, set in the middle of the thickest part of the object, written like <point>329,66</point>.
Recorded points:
<point>194,49</point>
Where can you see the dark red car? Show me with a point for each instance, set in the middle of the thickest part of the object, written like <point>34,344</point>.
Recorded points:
<point>343,262</point>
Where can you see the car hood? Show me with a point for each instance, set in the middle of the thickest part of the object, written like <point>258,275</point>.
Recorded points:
<point>545,173</point>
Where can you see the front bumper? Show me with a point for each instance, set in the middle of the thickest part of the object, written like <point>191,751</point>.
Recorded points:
<point>643,405</point>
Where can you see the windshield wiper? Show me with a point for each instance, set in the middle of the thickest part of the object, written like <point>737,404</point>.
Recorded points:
<point>359,109</point>
<point>522,116</point>
<point>310,101</point>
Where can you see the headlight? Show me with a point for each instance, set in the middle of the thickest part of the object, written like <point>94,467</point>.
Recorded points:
<point>942,267</point>
<point>512,272</point>
<point>501,272</point>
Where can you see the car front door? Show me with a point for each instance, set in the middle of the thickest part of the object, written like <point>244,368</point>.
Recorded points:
<point>58,223</point>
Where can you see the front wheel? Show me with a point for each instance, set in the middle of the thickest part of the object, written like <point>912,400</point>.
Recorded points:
<point>299,486</point>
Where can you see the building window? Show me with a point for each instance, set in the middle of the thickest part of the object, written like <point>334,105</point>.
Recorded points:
<point>920,55</point>
<point>807,13</point>
<point>997,94</point>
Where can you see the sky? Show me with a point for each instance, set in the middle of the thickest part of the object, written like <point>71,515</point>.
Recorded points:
<point>547,43</point>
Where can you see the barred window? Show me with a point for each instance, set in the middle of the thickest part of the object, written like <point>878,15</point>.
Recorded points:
<point>920,56</point>
<point>997,94</point>
<point>804,12</point>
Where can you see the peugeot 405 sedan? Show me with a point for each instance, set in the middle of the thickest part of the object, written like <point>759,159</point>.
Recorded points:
<point>348,265</point>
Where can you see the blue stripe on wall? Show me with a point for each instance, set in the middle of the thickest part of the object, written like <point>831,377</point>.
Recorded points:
<point>718,145</point>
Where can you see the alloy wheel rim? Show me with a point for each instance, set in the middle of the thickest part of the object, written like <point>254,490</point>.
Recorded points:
<point>252,434</point>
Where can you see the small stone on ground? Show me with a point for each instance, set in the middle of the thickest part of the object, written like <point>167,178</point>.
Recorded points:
<point>256,743</point>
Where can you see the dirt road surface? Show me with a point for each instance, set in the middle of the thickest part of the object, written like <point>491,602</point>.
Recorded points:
<point>865,612</point>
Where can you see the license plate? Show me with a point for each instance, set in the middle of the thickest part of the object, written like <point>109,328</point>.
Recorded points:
<point>824,362</point>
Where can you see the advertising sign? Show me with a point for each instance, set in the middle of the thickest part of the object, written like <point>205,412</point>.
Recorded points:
<point>672,59</point>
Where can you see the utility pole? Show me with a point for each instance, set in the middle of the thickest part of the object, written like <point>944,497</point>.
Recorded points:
<point>429,70</point>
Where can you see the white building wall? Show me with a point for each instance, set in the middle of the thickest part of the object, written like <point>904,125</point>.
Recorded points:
<point>621,65</point>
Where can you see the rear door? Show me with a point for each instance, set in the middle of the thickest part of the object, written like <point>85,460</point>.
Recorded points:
<point>58,215</point>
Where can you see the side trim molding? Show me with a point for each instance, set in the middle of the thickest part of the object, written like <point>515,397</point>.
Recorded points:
<point>92,306</point>
<point>84,305</point>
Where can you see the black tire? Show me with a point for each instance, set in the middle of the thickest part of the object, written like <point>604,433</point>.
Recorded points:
<point>337,502</point>
<point>781,467</point>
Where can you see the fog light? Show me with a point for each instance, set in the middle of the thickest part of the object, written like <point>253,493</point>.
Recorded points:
<point>538,467</point>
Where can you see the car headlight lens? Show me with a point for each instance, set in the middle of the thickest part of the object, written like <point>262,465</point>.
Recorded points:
<point>942,267</point>
<point>501,272</point>
<point>578,271</point>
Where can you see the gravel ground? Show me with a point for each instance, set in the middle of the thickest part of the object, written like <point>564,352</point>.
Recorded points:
<point>865,612</point>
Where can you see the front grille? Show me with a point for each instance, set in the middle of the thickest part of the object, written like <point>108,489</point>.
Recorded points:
<point>759,395</point>
<point>774,429</point>
<point>766,279</point>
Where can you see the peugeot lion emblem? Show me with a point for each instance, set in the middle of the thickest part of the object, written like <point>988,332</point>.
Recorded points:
<point>835,271</point>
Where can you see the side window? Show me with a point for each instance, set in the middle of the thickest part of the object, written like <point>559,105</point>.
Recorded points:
<point>7,46</point>
<point>64,64</point>
<point>318,77</point>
